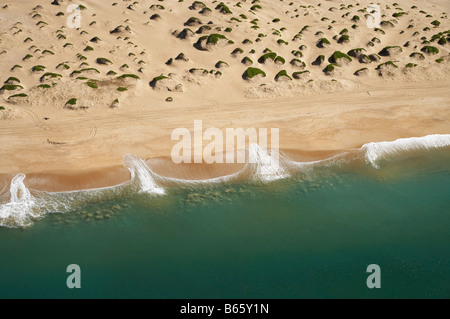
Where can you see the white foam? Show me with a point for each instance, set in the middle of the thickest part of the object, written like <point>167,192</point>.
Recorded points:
<point>142,174</point>
<point>376,151</point>
<point>261,165</point>
<point>267,166</point>
<point>19,210</point>
<point>19,192</point>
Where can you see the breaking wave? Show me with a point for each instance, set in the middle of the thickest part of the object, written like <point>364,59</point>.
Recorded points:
<point>385,150</point>
<point>21,206</point>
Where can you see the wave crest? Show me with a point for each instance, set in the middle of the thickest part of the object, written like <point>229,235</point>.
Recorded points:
<point>26,205</point>
<point>376,151</point>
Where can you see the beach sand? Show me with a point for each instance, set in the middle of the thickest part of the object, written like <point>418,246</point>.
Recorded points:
<point>63,147</point>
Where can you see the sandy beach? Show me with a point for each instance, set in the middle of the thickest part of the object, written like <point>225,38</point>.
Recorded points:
<point>63,146</point>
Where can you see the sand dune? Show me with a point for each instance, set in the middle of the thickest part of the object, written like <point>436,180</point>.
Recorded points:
<point>76,99</point>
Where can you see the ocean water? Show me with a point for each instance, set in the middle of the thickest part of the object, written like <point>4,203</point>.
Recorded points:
<point>296,230</point>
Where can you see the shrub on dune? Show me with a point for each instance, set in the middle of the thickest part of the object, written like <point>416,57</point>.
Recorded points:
<point>16,96</point>
<point>356,52</point>
<point>344,39</point>
<point>363,71</point>
<point>323,42</point>
<point>340,58</point>
<point>363,58</point>
<point>223,8</point>
<point>329,69</point>
<point>417,55</point>
<point>319,60</point>
<point>390,50</point>
<point>387,24</point>
<point>92,84</point>
<point>282,76</point>
<point>237,51</point>
<point>11,80</point>
<point>185,33</point>
<point>247,61</point>
<point>50,75</point>
<point>128,76</point>
<point>205,11</point>
<point>103,61</point>
<point>298,63</point>
<point>436,23</point>
<point>38,68</point>
<point>267,56</point>
<point>193,21</point>
<point>251,73</point>
<point>197,5</point>
<point>297,53</point>
<point>279,60</point>
<point>199,71</point>
<point>222,64</point>
<point>205,43</point>
<point>301,74</point>
<point>430,50</point>
<point>10,87</point>
<point>16,67</point>
<point>386,64</point>
<point>71,103</point>
<point>62,65</point>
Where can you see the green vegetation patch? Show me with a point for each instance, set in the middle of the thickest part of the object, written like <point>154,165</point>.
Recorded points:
<point>50,75</point>
<point>268,56</point>
<point>38,68</point>
<point>18,95</point>
<point>252,72</point>
<point>279,60</point>
<point>298,75</point>
<point>430,49</point>
<point>215,37</point>
<point>72,101</point>
<point>330,68</point>
<point>386,64</point>
<point>282,74</point>
<point>103,61</point>
<point>356,52</point>
<point>126,76</point>
<point>12,79</point>
<point>223,8</point>
<point>10,87</point>
<point>390,49</point>
<point>339,55</point>
<point>156,79</point>
<point>323,42</point>
<point>92,84</point>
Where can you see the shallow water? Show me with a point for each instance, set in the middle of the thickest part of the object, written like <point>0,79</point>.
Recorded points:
<point>306,236</point>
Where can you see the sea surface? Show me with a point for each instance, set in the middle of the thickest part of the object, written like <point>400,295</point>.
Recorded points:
<point>296,230</point>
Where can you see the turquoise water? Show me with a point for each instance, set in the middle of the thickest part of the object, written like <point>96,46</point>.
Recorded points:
<point>309,236</point>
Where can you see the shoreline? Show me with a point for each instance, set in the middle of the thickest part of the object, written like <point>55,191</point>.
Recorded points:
<point>311,127</point>
<point>163,167</point>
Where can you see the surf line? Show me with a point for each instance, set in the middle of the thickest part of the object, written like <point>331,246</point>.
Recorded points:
<point>213,152</point>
